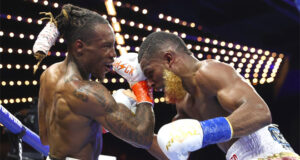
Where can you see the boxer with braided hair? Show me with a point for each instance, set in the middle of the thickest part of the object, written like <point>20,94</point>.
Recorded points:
<point>72,108</point>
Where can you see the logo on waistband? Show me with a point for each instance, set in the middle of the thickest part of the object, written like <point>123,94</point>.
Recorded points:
<point>234,157</point>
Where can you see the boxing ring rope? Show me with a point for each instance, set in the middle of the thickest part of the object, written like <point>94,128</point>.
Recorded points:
<point>25,134</point>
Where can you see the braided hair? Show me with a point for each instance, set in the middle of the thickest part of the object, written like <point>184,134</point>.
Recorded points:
<point>75,22</point>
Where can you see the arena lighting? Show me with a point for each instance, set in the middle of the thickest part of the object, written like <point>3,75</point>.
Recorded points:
<point>120,39</point>
<point>137,49</point>
<point>31,37</point>
<point>135,8</point>
<point>116,26</point>
<point>230,45</point>
<point>215,42</point>
<point>61,40</point>
<point>222,43</point>
<point>8,66</point>
<point>29,20</point>
<point>200,55</point>
<point>110,8</point>
<point>21,35</point>
<point>246,75</point>
<point>247,55</point>
<point>45,3</point>
<point>10,50</point>
<point>149,28</point>
<point>144,11</point>
<point>222,51</point>
<point>55,5</point>
<point>11,34</point>
<point>206,49</point>
<point>39,22</point>
<point>206,40</point>
<point>16,100</point>
<point>19,18</point>
<point>18,66</point>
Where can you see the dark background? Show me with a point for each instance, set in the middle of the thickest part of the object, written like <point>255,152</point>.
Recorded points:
<point>267,24</point>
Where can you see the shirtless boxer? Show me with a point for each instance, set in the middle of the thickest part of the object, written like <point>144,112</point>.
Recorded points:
<point>215,104</point>
<point>71,108</point>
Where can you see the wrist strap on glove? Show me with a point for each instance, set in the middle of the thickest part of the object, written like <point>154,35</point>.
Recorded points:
<point>142,92</point>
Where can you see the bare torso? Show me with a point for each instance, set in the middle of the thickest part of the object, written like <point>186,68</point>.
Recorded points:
<point>68,134</point>
<point>201,104</point>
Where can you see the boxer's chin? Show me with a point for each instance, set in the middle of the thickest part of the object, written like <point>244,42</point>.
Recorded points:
<point>174,91</point>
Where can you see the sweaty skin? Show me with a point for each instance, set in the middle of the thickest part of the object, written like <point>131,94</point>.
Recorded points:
<point>73,109</point>
<point>214,89</point>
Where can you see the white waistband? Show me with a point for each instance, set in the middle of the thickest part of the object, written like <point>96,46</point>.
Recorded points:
<point>260,144</point>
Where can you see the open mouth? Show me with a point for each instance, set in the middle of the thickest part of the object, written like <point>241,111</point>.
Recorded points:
<point>108,66</point>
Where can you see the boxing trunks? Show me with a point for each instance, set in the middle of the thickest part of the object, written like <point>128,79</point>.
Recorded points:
<point>264,144</point>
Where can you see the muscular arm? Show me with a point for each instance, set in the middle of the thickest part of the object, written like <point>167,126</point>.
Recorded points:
<point>93,100</point>
<point>248,110</point>
<point>42,115</point>
<point>155,150</point>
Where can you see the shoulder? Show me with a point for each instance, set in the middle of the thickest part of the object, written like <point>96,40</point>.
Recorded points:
<point>213,73</point>
<point>87,96</point>
<point>207,66</point>
<point>51,73</point>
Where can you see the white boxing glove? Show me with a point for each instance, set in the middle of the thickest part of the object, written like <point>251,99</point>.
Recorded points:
<point>128,67</point>
<point>177,139</point>
<point>121,97</point>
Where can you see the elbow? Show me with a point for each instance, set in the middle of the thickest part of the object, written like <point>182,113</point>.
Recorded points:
<point>146,134</point>
<point>264,114</point>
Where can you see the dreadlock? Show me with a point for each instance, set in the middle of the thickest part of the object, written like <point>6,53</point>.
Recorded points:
<point>73,23</point>
<point>156,41</point>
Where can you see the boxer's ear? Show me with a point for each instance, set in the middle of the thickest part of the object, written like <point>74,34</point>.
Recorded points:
<point>169,58</point>
<point>78,47</point>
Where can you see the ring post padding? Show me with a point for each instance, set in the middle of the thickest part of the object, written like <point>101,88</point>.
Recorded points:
<point>15,126</point>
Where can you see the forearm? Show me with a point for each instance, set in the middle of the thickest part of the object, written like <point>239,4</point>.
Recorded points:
<point>155,151</point>
<point>248,118</point>
<point>136,129</point>
<point>145,122</point>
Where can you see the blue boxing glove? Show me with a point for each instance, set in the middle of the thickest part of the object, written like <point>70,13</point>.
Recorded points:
<point>179,138</point>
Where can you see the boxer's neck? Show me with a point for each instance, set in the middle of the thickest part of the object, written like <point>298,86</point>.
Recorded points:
<point>186,66</point>
<point>188,72</point>
<point>74,67</point>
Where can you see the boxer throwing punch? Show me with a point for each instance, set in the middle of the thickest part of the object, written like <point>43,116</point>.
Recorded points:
<point>215,105</point>
<point>71,108</point>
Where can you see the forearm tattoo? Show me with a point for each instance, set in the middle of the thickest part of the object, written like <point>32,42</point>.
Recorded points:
<point>88,90</point>
<point>128,126</point>
<point>138,128</point>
